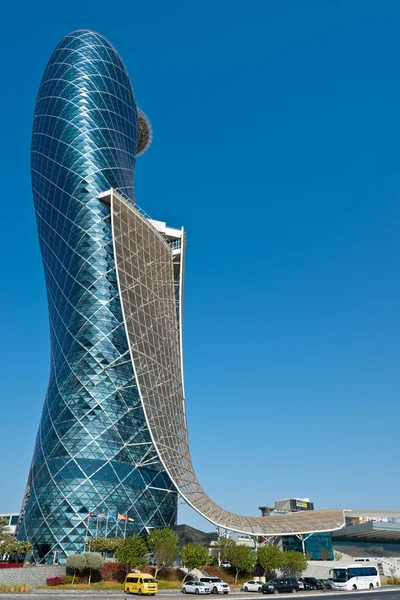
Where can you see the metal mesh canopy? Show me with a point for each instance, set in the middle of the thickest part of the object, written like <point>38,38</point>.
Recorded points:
<point>144,133</point>
<point>145,271</point>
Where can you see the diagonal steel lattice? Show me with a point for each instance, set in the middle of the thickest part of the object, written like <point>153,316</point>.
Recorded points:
<point>113,435</point>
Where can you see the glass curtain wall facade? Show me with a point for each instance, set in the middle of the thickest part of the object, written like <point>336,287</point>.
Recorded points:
<point>93,453</point>
<point>317,547</point>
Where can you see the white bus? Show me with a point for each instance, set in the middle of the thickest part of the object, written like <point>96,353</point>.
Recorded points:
<point>355,577</point>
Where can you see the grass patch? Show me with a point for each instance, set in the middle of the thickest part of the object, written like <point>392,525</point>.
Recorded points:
<point>169,585</point>
<point>102,585</point>
<point>110,585</point>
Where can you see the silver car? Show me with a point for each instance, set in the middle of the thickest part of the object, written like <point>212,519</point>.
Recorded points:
<point>254,585</point>
<point>195,587</point>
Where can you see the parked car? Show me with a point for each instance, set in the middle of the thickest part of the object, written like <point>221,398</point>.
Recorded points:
<point>302,585</point>
<point>252,586</point>
<point>313,583</point>
<point>226,564</point>
<point>216,585</point>
<point>140,583</point>
<point>327,583</point>
<point>281,584</point>
<point>195,587</point>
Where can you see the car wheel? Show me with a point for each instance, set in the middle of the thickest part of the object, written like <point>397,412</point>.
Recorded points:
<point>246,589</point>
<point>197,592</point>
<point>215,590</point>
<point>371,586</point>
<point>140,592</point>
<point>276,591</point>
<point>354,587</point>
<point>183,591</point>
<point>294,590</point>
<point>260,589</point>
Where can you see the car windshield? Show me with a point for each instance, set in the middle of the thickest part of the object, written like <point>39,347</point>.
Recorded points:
<point>340,575</point>
<point>150,580</point>
<point>213,579</point>
<point>198,583</point>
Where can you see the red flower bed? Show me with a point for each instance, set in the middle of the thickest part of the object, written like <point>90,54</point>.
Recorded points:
<point>56,580</point>
<point>10,565</point>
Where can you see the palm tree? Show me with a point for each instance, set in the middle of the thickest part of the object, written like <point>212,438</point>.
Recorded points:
<point>5,533</point>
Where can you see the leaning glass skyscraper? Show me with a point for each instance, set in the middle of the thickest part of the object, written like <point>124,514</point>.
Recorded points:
<point>112,451</point>
<point>93,452</point>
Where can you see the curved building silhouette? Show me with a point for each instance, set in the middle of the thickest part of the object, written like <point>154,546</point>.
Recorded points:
<point>112,439</point>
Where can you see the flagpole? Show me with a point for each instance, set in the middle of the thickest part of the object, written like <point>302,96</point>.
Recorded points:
<point>106,525</point>
<point>87,533</point>
<point>97,526</point>
<point>126,522</point>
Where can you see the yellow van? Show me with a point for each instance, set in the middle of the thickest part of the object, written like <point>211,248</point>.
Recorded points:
<point>140,583</point>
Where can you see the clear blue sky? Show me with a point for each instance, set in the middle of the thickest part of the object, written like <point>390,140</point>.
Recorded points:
<point>277,146</point>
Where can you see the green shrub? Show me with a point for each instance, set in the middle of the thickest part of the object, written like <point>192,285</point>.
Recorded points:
<point>112,572</point>
<point>164,574</point>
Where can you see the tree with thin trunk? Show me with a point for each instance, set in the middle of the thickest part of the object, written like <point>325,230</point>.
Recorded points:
<point>269,557</point>
<point>77,562</point>
<point>194,556</point>
<point>242,558</point>
<point>223,546</point>
<point>94,560</point>
<point>164,545</point>
<point>294,563</point>
<point>5,532</point>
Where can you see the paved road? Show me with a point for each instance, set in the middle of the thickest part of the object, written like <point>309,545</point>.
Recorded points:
<point>386,593</point>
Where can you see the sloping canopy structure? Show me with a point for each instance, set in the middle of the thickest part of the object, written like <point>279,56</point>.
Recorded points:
<point>148,292</point>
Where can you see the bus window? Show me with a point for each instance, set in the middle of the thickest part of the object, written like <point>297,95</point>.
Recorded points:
<point>340,575</point>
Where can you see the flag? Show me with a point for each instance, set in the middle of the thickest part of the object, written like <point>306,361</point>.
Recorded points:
<point>130,520</point>
<point>121,517</point>
<point>112,517</point>
<point>90,515</point>
<point>101,516</point>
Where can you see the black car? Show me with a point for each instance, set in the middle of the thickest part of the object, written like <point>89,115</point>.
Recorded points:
<point>281,584</point>
<point>311,583</point>
<point>327,583</point>
<point>306,586</point>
